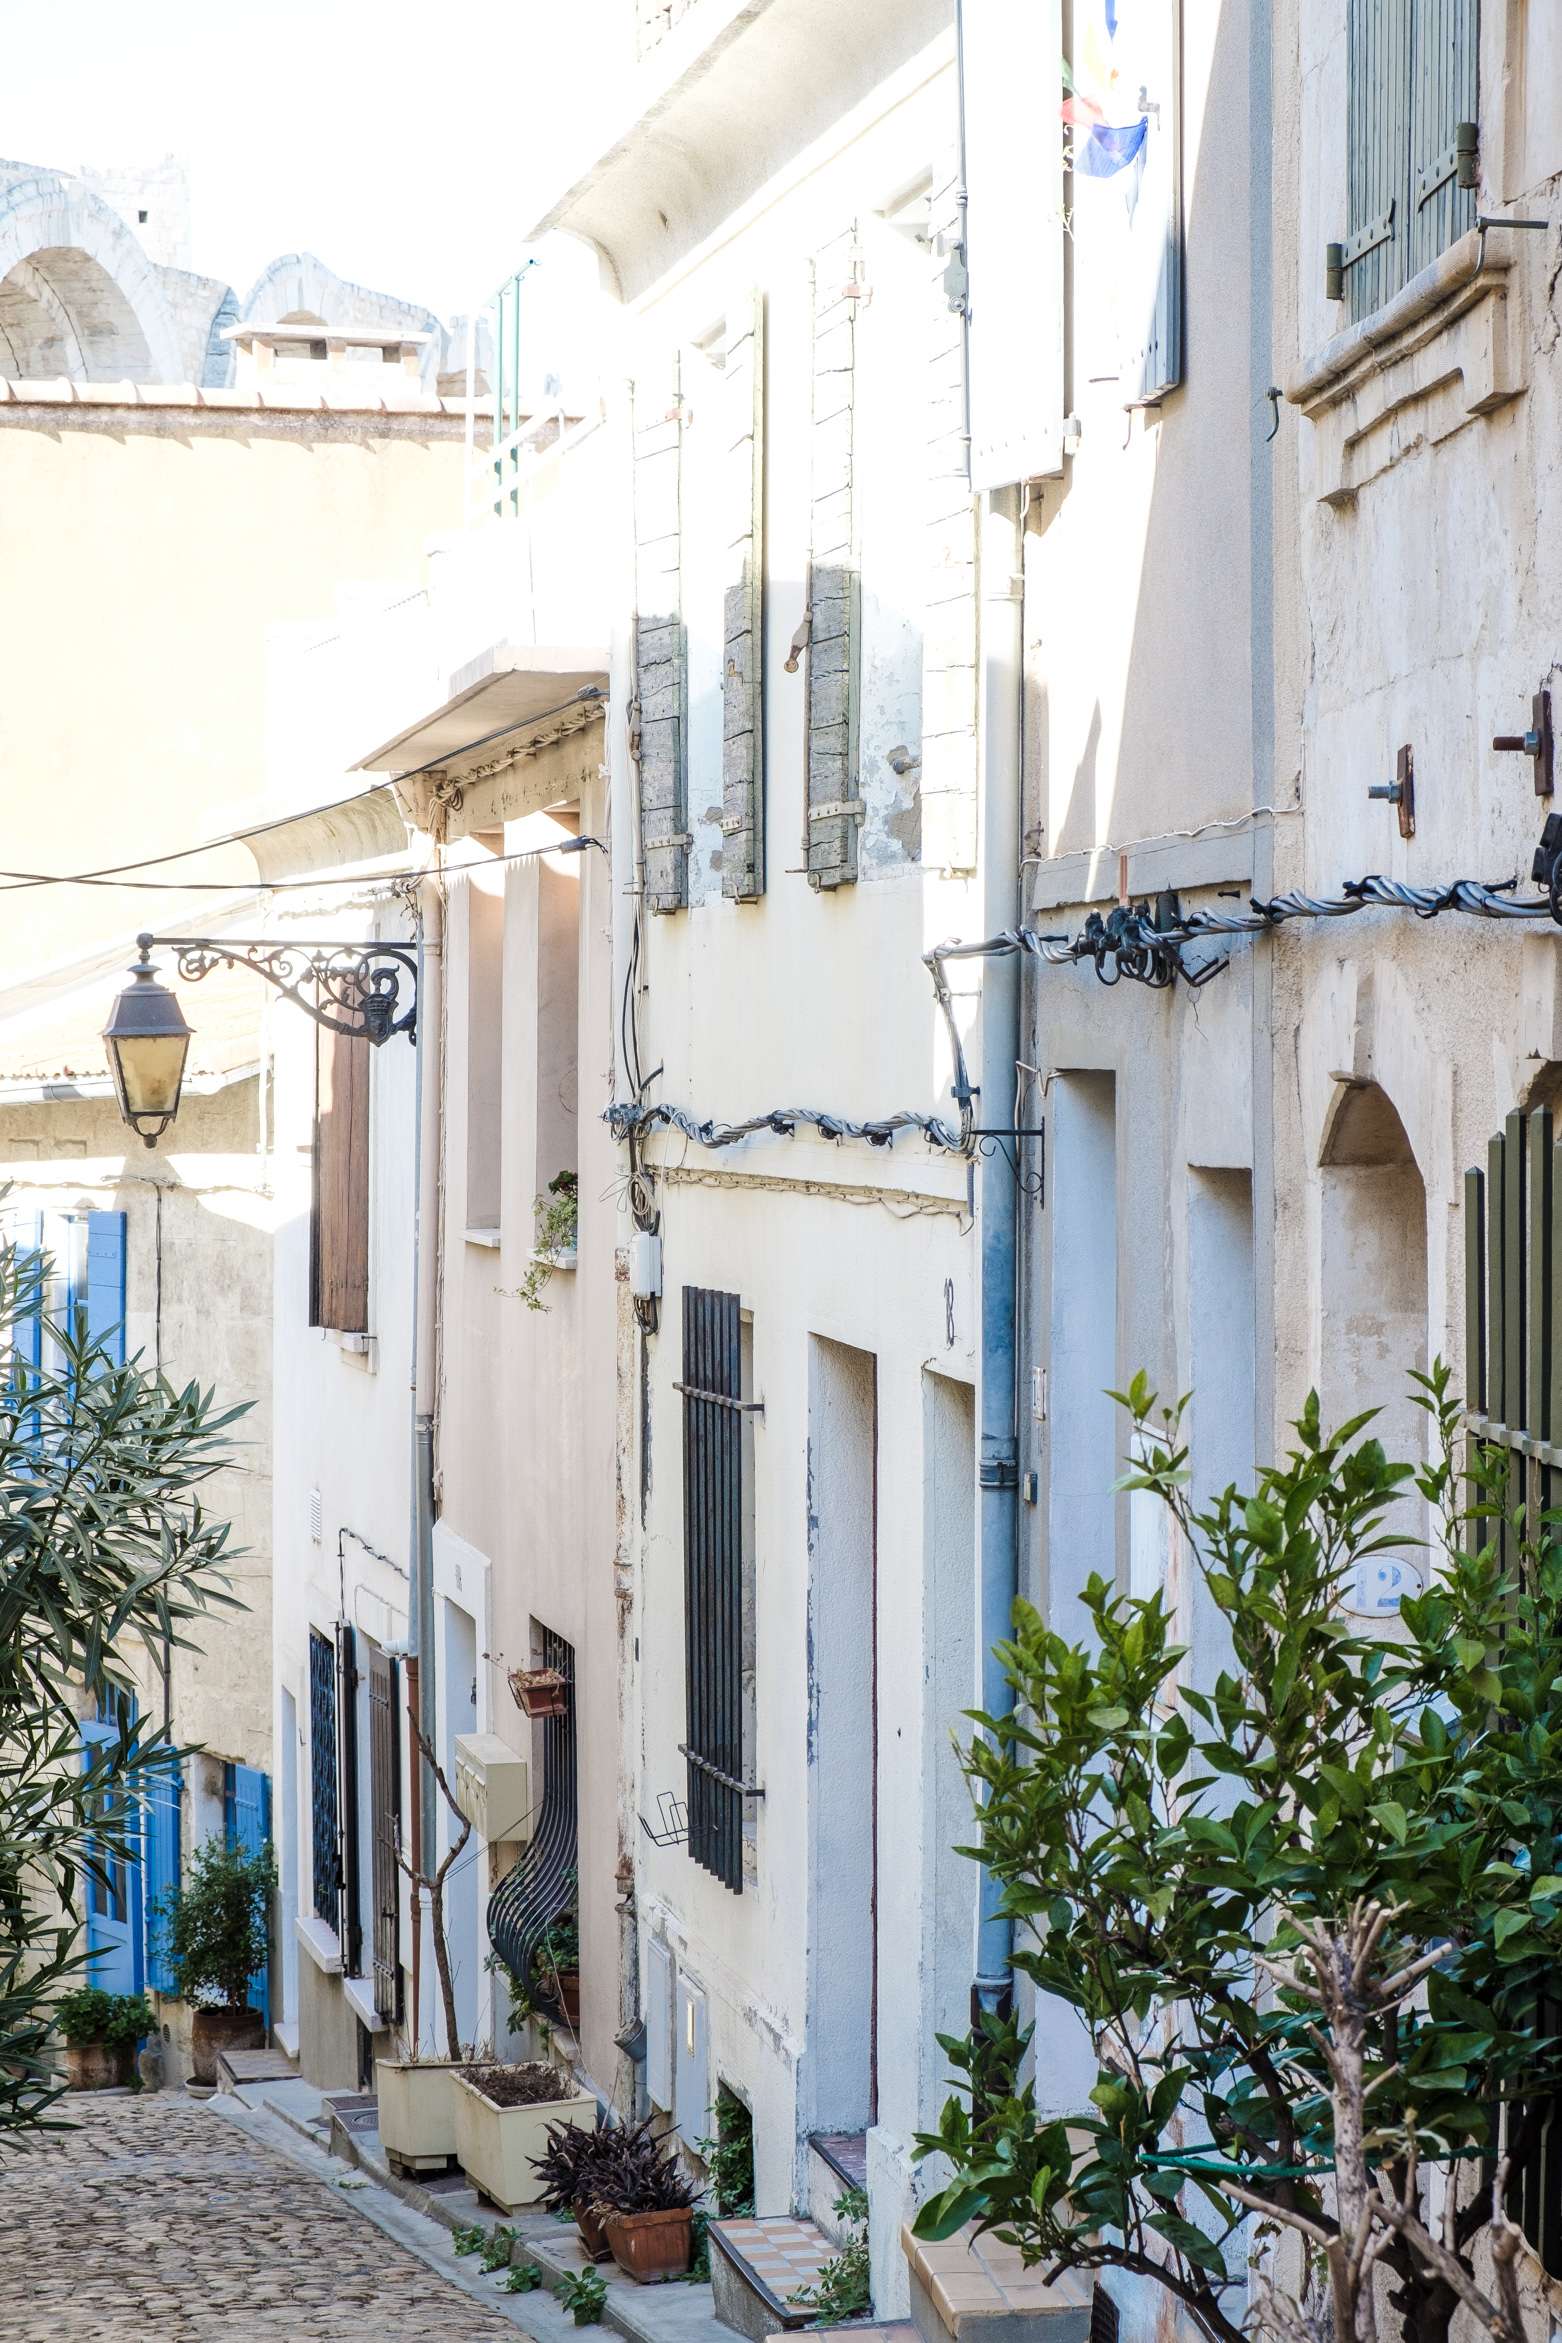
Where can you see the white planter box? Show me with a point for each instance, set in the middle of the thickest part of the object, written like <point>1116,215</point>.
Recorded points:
<point>417,2109</point>
<point>496,2144</point>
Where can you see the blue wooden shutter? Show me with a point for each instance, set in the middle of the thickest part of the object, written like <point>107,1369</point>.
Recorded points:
<point>162,1803</point>
<point>103,1295</point>
<point>246,1824</point>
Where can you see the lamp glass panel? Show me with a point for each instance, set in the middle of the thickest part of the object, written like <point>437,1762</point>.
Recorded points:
<point>151,1068</point>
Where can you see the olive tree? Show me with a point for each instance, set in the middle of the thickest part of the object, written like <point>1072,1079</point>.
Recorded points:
<point>1309,1914</point>
<point>105,1547</point>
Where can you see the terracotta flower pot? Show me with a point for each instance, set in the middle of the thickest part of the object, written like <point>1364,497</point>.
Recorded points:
<point>97,2066</point>
<point>212,2031</point>
<point>569,1998</point>
<point>541,1692</point>
<point>652,2248</point>
<point>593,2235</point>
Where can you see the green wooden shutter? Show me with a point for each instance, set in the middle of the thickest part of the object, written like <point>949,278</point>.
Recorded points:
<point>1442,101</point>
<point>834,584</point>
<point>743,610</point>
<point>661,666</point>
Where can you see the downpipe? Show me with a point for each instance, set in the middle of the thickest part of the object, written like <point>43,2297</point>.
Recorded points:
<point>425,1273</point>
<point>997,1530</point>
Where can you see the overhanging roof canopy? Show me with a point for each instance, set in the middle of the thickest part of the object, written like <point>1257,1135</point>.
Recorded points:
<point>507,691</point>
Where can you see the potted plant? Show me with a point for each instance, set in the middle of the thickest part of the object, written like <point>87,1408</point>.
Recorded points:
<point>541,1692</point>
<point>217,1934</point>
<point>502,2119</point>
<point>647,2210</point>
<point>574,2170</point>
<point>101,2031</point>
<point>417,2108</point>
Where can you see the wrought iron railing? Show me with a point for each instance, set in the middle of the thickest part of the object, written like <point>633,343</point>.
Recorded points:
<point>542,1886</point>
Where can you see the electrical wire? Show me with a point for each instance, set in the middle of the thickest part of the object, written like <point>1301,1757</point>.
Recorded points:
<point>1146,946</point>
<point>367,878</point>
<point>15,880</point>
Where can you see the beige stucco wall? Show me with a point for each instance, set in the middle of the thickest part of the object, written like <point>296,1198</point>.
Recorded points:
<point>145,556</point>
<point>1422,611</point>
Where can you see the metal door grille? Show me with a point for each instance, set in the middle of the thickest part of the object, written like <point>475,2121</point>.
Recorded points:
<point>1513,1317</point>
<point>351,1923</point>
<point>543,1883</point>
<point>384,1809</point>
<point>325,1828</point>
<point>713,1578</point>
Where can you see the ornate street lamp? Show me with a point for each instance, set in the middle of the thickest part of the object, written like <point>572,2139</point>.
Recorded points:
<point>351,988</point>
<point>147,1041</point>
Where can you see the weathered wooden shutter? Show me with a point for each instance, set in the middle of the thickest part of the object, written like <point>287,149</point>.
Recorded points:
<point>1378,136</point>
<point>1513,1391</point>
<point>834,580</point>
<point>1413,69</point>
<point>743,611</point>
<point>1442,128</point>
<point>949,629</point>
<point>347,1730</point>
<point>246,1826</point>
<point>324,1813</point>
<point>661,665</point>
<point>384,1810</point>
<point>339,1274</point>
<point>713,1581</point>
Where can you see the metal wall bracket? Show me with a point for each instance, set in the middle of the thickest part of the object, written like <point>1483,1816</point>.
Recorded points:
<point>1401,791</point>
<point>1536,743</point>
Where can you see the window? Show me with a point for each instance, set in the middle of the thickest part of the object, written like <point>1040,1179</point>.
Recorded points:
<point>339,1230</point>
<point>718,1608</point>
<point>1411,146</point>
<point>325,1833</point>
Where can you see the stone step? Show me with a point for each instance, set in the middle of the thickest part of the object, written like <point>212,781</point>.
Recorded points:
<point>757,2265</point>
<point>971,2289</point>
<point>836,2161</point>
<point>237,2067</point>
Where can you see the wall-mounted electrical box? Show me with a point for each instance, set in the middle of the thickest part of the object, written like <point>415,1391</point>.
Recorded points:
<point>645,1265</point>
<point>491,1787</point>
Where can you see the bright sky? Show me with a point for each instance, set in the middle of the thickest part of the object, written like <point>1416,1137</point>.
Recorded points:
<point>386,139</point>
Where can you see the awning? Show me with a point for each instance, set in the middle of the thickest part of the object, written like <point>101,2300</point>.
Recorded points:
<point>507,692</point>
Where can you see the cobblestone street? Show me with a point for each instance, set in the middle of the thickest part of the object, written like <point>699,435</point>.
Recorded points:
<point>158,2222</point>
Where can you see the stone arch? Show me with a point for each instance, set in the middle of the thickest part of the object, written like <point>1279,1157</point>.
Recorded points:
<point>298,288</point>
<point>78,296</point>
<point>1374,1297</point>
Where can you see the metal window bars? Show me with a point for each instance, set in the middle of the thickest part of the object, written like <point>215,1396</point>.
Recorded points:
<point>542,1885</point>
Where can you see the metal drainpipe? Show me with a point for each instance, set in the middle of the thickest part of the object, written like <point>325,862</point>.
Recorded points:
<point>998,1455</point>
<point>425,1273</point>
<point>1001,559</point>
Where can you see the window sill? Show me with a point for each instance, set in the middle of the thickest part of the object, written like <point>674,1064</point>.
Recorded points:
<point>1442,344</point>
<point>359,1995</point>
<point>321,1943</point>
<point>490,1237</point>
<point>557,1260</point>
<point>360,1348</point>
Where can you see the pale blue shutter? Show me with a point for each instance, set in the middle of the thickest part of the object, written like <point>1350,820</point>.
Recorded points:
<point>246,1824</point>
<point>162,1802</point>
<point>1152,329</point>
<point>104,1289</point>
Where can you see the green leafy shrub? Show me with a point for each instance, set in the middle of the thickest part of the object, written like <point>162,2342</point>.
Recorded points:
<point>557,1215</point>
<point>584,2296</point>
<point>524,2278</point>
<point>217,1924</point>
<point>843,2289</point>
<point>1309,1914</point>
<point>91,2015</point>
<point>469,2237</point>
<point>498,2248</point>
<point>729,2157</point>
